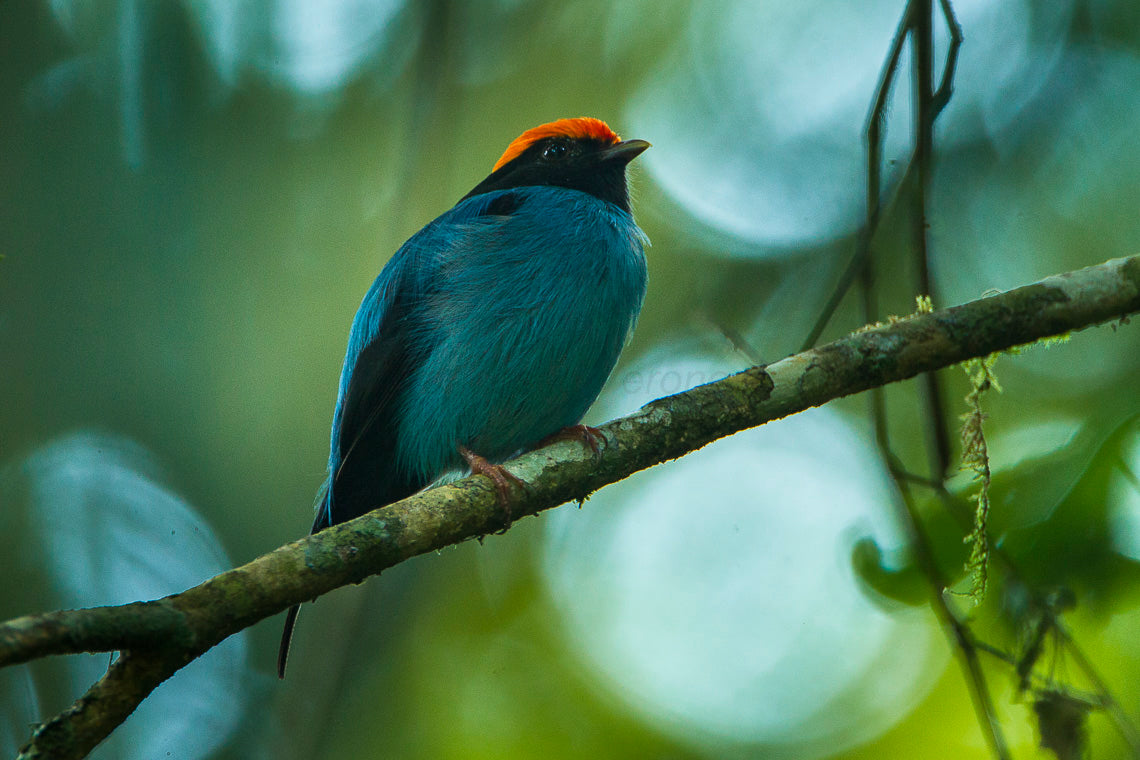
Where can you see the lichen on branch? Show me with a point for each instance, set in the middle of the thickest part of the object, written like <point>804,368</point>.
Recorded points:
<point>976,459</point>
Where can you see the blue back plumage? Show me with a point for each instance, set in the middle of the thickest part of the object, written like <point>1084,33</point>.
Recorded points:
<point>494,326</point>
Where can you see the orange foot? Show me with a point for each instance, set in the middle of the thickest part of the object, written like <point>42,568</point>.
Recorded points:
<point>499,475</point>
<point>590,436</point>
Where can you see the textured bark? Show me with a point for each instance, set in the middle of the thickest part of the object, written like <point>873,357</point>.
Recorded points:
<point>160,636</point>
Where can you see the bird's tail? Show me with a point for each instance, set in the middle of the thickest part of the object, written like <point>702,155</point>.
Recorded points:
<point>286,637</point>
<point>321,522</point>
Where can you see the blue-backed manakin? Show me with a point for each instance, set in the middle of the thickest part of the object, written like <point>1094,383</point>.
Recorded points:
<point>493,327</point>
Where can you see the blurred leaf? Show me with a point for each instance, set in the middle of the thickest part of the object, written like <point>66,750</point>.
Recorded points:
<point>903,584</point>
<point>1073,546</point>
<point>1031,490</point>
<point>1062,722</point>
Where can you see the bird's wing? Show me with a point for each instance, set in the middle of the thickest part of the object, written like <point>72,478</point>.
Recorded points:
<point>380,357</point>
<point>383,348</point>
<point>386,344</point>
<point>379,371</point>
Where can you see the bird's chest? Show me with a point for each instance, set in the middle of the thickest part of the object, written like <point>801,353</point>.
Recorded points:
<point>522,346</point>
<point>535,321</point>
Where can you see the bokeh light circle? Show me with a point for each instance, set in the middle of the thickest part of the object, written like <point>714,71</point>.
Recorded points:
<point>716,594</point>
<point>758,113</point>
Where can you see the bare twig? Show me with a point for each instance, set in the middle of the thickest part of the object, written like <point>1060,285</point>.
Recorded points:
<point>921,14</point>
<point>946,86</point>
<point>916,22</point>
<point>958,632</point>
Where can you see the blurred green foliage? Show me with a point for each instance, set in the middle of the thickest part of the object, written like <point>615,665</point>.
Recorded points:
<point>192,207</point>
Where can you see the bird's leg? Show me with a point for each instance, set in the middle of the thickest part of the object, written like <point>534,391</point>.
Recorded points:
<point>589,436</point>
<point>499,475</point>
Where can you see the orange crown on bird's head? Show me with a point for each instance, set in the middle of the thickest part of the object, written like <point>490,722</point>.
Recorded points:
<point>581,127</point>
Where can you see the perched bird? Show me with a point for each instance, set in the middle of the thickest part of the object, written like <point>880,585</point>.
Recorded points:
<point>493,327</point>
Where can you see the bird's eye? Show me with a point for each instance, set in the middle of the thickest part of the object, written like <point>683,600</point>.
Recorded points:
<point>556,151</point>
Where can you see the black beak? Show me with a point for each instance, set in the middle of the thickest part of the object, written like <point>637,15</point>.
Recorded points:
<point>624,151</point>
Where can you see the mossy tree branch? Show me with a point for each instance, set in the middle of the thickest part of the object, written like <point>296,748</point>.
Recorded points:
<point>158,637</point>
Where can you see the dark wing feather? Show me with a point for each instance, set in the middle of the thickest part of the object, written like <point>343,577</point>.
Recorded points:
<point>366,476</point>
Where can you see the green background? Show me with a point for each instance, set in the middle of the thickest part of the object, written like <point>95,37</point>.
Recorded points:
<point>195,196</point>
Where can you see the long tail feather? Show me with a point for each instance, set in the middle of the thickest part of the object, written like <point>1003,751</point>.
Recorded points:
<point>286,637</point>
<point>321,522</point>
